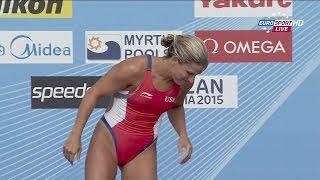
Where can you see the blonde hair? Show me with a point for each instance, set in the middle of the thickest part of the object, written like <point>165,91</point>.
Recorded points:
<point>187,48</point>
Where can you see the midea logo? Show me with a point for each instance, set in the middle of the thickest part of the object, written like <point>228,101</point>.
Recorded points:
<point>22,47</point>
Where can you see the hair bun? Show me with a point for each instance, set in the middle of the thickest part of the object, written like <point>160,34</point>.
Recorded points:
<point>167,41</point>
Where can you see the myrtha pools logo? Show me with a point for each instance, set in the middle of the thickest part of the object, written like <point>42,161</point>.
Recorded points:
<point>101,47</point>
<point>115,46</point>
<point>32,47</point>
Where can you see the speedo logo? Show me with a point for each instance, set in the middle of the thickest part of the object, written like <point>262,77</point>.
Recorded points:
<point>146,95</point>
<point>35,8</point>
<point>62,91</point>
<point>45,93</point>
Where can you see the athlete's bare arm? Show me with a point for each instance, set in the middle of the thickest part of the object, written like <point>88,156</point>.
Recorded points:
<point>176,115</point>
<point>177,119</point>
<point>118,78</point>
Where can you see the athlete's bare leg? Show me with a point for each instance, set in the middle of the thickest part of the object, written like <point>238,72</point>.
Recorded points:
<point>142,167</point>
<point>101,162</point>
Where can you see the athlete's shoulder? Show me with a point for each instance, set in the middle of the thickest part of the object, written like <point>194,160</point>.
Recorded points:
<point>133,65</point>
<point>120,76</point>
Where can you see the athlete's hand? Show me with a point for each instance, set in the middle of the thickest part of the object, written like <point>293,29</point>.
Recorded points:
<point>184,149</point>
<point>72,148</point>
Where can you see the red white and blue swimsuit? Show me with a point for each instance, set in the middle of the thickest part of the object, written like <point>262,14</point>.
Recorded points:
<point>134,118</point>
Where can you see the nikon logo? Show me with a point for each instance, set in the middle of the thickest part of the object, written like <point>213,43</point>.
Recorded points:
<point>35,8</point>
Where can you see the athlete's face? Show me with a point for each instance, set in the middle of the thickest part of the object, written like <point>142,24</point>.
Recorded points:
<point>186,73</point>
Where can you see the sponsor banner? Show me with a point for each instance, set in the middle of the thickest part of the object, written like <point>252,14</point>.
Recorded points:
<point>213,92</point>
<point>115,46</point>
<point>242,8</point>
<point>39,47</point>
<point>62,91</point>
<point>35,8</point>
<point>247,46</point>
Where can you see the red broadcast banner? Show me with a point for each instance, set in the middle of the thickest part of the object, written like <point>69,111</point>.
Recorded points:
<point>247,46</point>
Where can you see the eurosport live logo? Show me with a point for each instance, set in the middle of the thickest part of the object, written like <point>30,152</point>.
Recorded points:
<point>247,46</point>
<point>279,25</point>
<point>35,8</point>
<point>62,91</point>
<point>36,47</point>
<point>114,46</point>
<point>241,8</point>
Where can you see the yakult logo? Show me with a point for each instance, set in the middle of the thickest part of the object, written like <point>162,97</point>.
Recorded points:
<point>241,8</point>
<point>247,46</point>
